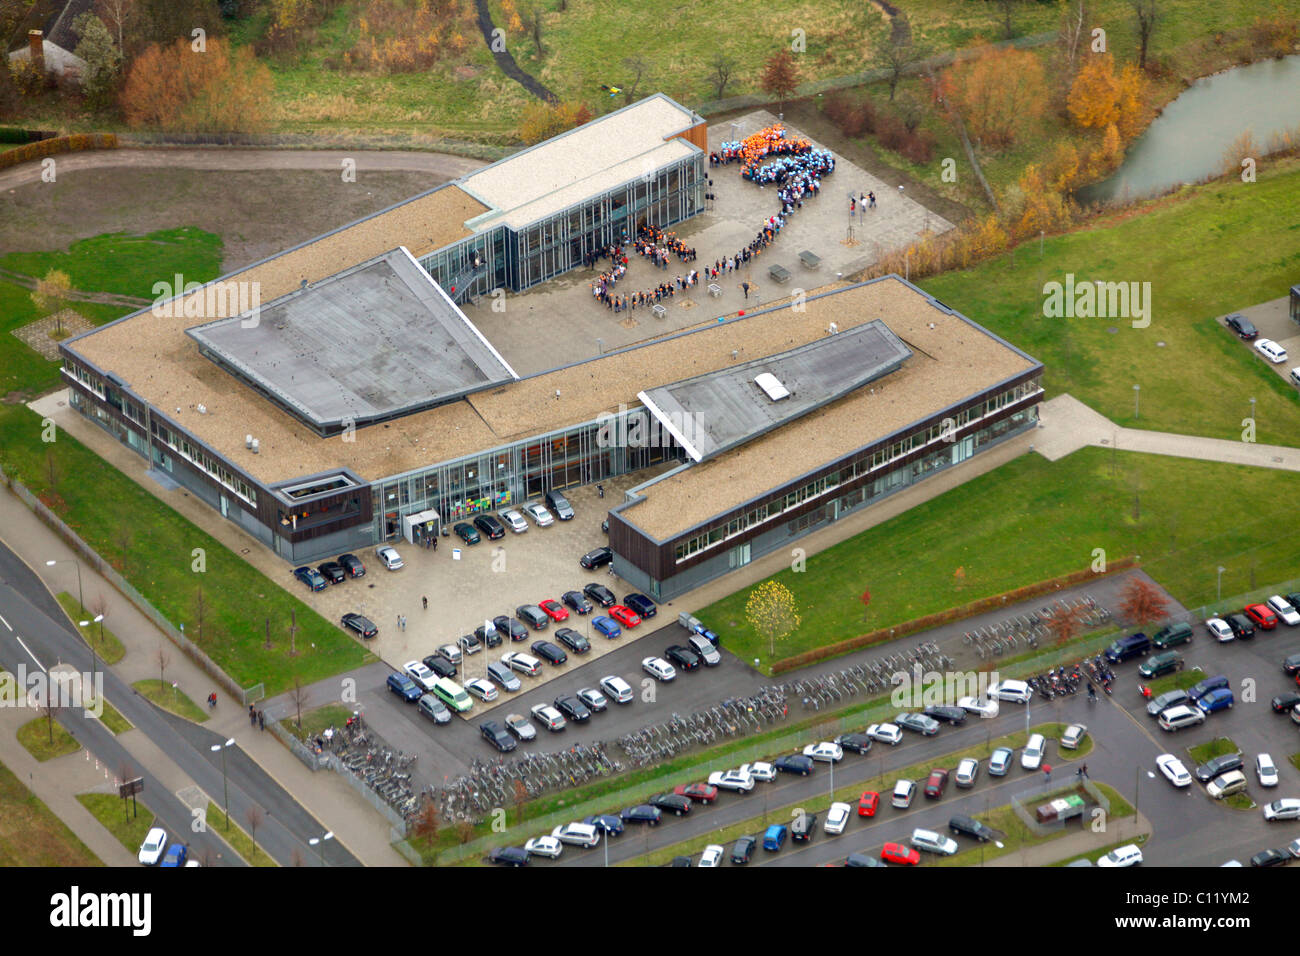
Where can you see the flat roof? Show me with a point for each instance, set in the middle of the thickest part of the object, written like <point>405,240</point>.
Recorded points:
<point>373,342</point>
<point>712,413</point>
<point>953,358</point>
<point>591,159</point>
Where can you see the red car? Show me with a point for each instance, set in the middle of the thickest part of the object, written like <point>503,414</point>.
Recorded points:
<point>934,785</point>
<point>867,803</point>
<point>554,610</point>
<point>703,792</point>
<point>625,615</point>
<point>1262,615</point>
<point>897,853</point>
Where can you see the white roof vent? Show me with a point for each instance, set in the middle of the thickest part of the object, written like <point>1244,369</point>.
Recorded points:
<point>770,384</point>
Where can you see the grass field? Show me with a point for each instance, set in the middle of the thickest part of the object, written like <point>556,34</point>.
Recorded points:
<point>113,719</point>
<point>1030,520</point>
<point>35,738</point>
<point>173,700</point>
<point>237,837</point>
<point>101,638</point>
<point>130,829</point>
<point>314,721</point>
<point>1212,748</point>
<point>31,835</point>
<point>1180,680</point>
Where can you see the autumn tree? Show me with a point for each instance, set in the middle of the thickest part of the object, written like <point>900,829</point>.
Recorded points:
<point>1065,625</point>
<point>177,89</point>
<point>425,824</point>
<point>1275,35</point>
<point>1070,37</point>
<point>998,94</point>
<point>103,58</point>
<point>300,697</point>
<point>1142,604</point>
<point>1100,98</point>
<point>1146,14</point>
<point>51,294</point>
<point>771,611</point>
<point>780,75</point>
<point>541,121</point>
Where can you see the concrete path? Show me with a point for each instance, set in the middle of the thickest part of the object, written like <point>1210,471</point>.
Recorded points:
<point>1076,844</point>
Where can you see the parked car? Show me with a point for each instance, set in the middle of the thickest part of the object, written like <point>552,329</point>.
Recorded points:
<point>1013,690</point>
<point>856,743</point>
<point>1128,855</point>
<point>682,657</point>
<point>1287,808</point>
<point>774,837</point>
<point>469,644</point>
<point>151,850</point>
<point>514,521</point>
<point>433,708</point>
<point>1000,761</point>
<point>1218,699</point>
<point>541,517</point>
<point>546,846</point>
<point>706,649</point>
<point>898,853</point>
<point>361,625</point>
<point>332,572</point>
<point>600,594</point>
<point>671,802</point>
<point>576,602</point>
<point>1171,635</point>
<point>920,723</point>
<point>1291,665</point>
<point>969,826</point>
<point>509,856</point>
<point>466,532</point>
<point>1271,858</point>
<point>824,751</point>
<point>979,705</point>
<point>641,605</point>
<point>450,653</point>
<point>1128,647</point>
<point>523,663</point>
<point>440,666</point>
<point>404,687</point>
<point>554,610</point>
<point>760,770</point>
<point>606,626</point>
<point>500,674</point>
<point>1242,326</point>
<point>572,708</point>
<point>490,636</point>
<point>1284,610</point>
<point>1266,770</point>
<point>1219,630</point>
<point>1271,351</point>
<point>742,851</point>
<point>658,668</point>
<point>610,823</point>
<point>1169,698</point>
<point>967,770</point>
<point>738,780</point>
<point>481,689</point>
<point>1032,756</point>
<point>934,842</point>
<point>642,813</point>
<point>551,653</point>
<point>548,717</point>
<point>936,783</point>
<point>596,559</point>
<point>490,526</point>
<point>176,855</point>
<point>946,714</point>
<point>518,725</point>
<point>794,763</point>
<point>577,834</point>
<point>1241,626</point>
<point>1285,703</point>
<point>560,505</point>
<point>1157,665</point>
<point>1234,781</point>
<point>1262,616</point>
<point>705,793</point>
<point>352,564</point>
<point>837,818</point>
<point>862,859</point>
<point>496,735</point>
<point>311,577</point>
<point>533,616</point>
<point>1180,716</point>
<point>624,615</point>
<point>389,557</point>
<point>885,733</point>
<point>1174,771</point>
<point>1073,736</point>
<point>712,855</point>
<point>868,803</point>
<point>803,826</point>
<point>507,625</point>
<point>1218,765</point>
<point>904,791</point>
<point>595,701</point>
<point>619,690</point>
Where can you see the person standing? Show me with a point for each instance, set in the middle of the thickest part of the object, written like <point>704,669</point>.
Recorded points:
<point>424,599</point>
<point>745,286</point>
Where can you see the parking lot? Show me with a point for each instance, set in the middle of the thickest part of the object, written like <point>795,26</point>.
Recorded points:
<point>1273,323</point>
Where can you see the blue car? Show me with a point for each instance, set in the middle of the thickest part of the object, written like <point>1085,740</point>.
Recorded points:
<point>1218,699</point>
<point>606,626</point>
<point>404,687</point>
<point>176,855</point>
<point>311,577</point>
<point>609,822</point>
<point>774,838</point>
<point>1197,691</point>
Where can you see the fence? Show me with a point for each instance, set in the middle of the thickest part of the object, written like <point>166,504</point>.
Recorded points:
<point>375,800</point>
<point>314,761</point>
<point>92,558</point>
<point>1024,802</point>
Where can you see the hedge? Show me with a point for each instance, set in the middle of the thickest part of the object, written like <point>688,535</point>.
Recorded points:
<point>59,144</point>
<point>945,617</point>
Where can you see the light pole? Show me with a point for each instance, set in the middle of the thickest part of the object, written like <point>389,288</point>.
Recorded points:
<point>225,784</point>
<point>600,346</point>
<point>1219,588</point>
<point>51,563</point>
<point>94,658</point>
<point>604,839</point>
<point>1137,395</point>
<point>1252,410</point>
<point>319,843</point>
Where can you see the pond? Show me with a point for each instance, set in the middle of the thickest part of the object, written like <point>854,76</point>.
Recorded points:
<point>1187,141</point>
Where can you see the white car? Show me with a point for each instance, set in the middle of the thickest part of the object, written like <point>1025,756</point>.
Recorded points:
<point>1219,630</point>
<point>1174,771</point>
<point>658,668</point>
<point>886,733</point>
<point>712,855</point>
<point>619,690</point>
<point>1283,609</point>
<point>1073,736</point>
<point>979,705</point>
<point>934,842</point>
<point>732,780</point>
<point>1266,770</point>
<point>514,521</point>
<point>838,817</point>
<point>524,663</point>
<point>1130,855</point>
<point>967,770</point>
<point>389,557</point>
<point>153,847</point>
<point>1013,690</point>
<point>1271,351</point>
<point>548,717</point>
<point>1287,808</point>
<point>759,771</point>
<point>1294,848</point>
<point>1180,716</point>
<point>1032,756</point>
<point>825,750</point>
<point>539,514</point>
<point>904,791</point>
<point>544,846</point>
<point>422,676</point>
<point>481,689</point>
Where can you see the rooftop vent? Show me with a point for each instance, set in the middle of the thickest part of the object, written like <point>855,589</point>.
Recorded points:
<point>770,384</point>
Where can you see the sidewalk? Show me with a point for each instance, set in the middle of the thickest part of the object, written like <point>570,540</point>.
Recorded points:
<point>1076,844</point>
<point>336,805</point>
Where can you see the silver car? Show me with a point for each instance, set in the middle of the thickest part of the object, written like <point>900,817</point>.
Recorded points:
<point>514,521</point>
<point>537,511</point>
<point>1000,761</point>
<point>500,674</point>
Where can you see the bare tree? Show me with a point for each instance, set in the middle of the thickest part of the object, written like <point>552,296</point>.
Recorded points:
<point>295,858</point>
<point>116,13</point>
<point>425,826</point>
<point>901,52</point>
<point>533,21</point>
<point>300,697</point>
<point>721,67</point>
<point>635,68</point>
<point>163,659</point>
<point>1065,625</point>
<point>465,831</point>
<point>50,706</point>
<point>1074,27</point>
<point>254,817</point>
<point>52,470</point>
<point>1147,14</point>
<point>293,633</point>
<point>1007,11</point>
<point>521,797</point>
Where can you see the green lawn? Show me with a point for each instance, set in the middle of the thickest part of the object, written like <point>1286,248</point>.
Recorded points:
<point>31,835</point>
<point>98,636</point>
<point>237,837</point>
<point>113,720</point>
<point>35,738</point>
<point>171,699</point>
<point>1097,854</point>
<point>1032,519</point>
<point>1179,680</point>
<point>129,828</point>
<point>314,721</point>
<point>1212,748</point>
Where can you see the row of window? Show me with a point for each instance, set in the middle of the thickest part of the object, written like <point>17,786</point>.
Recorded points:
<point>201,459</point>
<point>83,376</point>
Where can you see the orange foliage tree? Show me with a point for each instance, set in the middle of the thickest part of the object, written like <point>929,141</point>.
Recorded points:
<point>542,121</point>
<point>176,89</point>
<point>780,75</point>
<point>1100,98</point>
<point>999,93</point>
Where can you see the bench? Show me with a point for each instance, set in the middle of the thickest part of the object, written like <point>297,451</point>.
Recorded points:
<point>779,273</point>
<point>809,259</point>
<point>715,290</point>
<point>659,311</point>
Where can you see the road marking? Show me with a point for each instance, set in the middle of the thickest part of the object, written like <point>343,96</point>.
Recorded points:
<point>30,654</point>
<point>6,623</point>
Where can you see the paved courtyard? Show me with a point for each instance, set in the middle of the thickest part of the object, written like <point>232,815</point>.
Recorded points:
<point>560,322</point>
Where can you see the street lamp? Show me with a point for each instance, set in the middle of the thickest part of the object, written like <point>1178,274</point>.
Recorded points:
<point>51,563</point>
<point>225,784</point>
<point>1252,409</point>
<point>1137,394</point>
<point>319,843</point>
<point>94,657</point>
<point>1219,594</point>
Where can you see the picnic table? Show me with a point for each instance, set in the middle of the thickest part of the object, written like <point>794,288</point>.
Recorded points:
<point>715,290</point>
<point>779,273</point>
<point>809,259</point>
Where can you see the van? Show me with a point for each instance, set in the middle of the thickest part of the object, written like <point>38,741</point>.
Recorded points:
<point>1166,662</point>
<point>560,505</point>
<point>1171,635</point>
<point>1013,690</point>
<point>452,694</point>
<point>577,834</point>
<point>704,647</point>
<point>1127,648</point>
<point>774,838</point>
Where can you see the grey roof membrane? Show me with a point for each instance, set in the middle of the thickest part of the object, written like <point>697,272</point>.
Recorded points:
<point>713,413</point>
<point>372,342</point>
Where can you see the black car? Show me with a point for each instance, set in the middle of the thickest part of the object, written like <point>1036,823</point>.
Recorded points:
<point>1170,698</point>
<point>509,856</point>
<point>857,743</point>
<point>949,715</point>
<point>1217,765</point>
<point>864,859</point>
<point>467,533</point>
<point>1293,594</point>
<point>641,604</point>
<point>642,813</point>
<point>505,624</point>
<point>362,625</point>
<point>968,826</point>
<point>332,572</point>
<point>440,665</point>
<point>352,565</point>
<point>549,652</point>
<point>609,822</point>
<point>533,616</point>
<point>496,735</point>
<point>1271,858</point>
<point>1292,664</point>
<point>794,763</point>
<point>469,643</point>
<point>681,861</point>
<point>572,708</point>
<point>743,850</point>
<point>672,802</point>
<point>311,577</point>
<point>1242,326</point>
<point>573,640</point>
<point>1284,703</point>
<point>576,602</point>
<point>490,637</point>
<point>600,594</point>
<point>803,827</point>
<point>1242,628</point>
<point>595,559</point>
<point>682,657</point>
<point>490,526</point>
